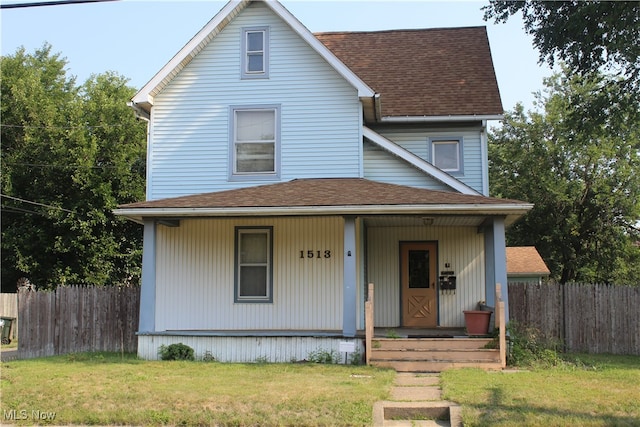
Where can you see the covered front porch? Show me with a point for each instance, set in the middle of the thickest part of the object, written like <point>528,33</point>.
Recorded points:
<point>435,349</point>
<point>323,241</point>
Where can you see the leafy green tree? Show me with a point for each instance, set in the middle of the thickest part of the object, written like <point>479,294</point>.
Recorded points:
<point>588,36</point>
<point>580,169</point>
<point>70,154</point>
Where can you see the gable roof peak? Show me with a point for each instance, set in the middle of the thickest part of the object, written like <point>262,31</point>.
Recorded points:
<point>143,100</point>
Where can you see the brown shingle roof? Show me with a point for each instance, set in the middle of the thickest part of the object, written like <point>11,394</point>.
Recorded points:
<point>432,72</point>
<point>525,260</point>
<point>322,192</point>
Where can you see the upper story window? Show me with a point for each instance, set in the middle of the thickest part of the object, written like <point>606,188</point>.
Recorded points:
<point>255,142</point>
<point>446,154</point>
<point>255,53</point>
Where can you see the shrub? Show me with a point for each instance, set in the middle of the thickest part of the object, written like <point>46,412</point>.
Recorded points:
<point>531,347</point>
<point>176,352</point>
<point>323,356</point>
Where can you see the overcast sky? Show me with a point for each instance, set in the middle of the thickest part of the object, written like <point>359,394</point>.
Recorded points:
<point>136,38</point>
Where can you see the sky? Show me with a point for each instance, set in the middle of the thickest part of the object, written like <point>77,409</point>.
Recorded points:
<point>136,38</point>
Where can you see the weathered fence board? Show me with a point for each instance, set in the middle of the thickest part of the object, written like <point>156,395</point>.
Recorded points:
<point>76,319</point>
<point>585,318</point>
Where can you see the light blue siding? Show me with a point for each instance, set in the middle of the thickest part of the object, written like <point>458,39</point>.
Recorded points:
<point>321,136</point>
<point>417,142</point>
<point>379,165</point>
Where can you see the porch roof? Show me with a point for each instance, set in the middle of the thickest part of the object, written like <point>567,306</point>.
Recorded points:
<point>325,196</point>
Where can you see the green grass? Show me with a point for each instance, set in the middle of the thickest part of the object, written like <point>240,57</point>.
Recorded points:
<point>592,390</point>
<point>102,388</point>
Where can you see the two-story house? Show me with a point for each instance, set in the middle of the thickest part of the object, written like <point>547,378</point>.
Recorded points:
<point>287,170</point>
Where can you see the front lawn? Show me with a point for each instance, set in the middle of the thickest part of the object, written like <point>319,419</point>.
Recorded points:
<point>108,389</point>
<point>592,390</point>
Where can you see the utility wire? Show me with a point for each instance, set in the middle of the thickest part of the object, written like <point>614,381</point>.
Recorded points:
<point>13,209</point>
<point>49,3</point>
<point>35,203</point>
<point>63,127</point>
<point>76,166</point>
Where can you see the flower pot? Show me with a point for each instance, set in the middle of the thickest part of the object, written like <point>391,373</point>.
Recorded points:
<point>477,322</point>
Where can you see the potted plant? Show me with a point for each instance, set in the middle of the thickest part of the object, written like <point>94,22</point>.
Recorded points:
<point>477,321</point>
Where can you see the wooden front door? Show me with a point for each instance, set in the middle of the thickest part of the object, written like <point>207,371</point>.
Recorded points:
<point>418,284</point>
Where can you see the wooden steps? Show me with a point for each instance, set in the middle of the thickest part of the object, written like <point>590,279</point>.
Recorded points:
<point>433,354</point>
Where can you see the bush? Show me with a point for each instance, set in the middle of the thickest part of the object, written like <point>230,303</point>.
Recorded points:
<point>176,352</point>
<point>323,356</point>
<point>531,347</point>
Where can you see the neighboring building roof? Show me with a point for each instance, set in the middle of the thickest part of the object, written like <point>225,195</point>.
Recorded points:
<point>430,72</point>
<point>523,260</point>
<point>322,196</point>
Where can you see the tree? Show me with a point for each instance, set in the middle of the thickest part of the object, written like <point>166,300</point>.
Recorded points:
<point>70,154</point>
<point>589,36</point>
<point>582,175</point>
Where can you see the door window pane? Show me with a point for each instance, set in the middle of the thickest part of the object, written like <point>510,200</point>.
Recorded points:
<point>418,269</point>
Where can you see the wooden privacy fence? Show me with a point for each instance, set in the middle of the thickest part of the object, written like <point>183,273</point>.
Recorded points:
<point>76,319</point>
<point>585,318</point>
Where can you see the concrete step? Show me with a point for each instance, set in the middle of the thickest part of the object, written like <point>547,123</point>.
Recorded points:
<point>396,414</point>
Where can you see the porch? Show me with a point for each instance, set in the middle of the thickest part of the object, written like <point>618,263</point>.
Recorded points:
<point>434,349</point>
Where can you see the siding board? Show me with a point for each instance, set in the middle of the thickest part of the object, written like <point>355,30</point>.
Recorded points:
<point>417,142</point>
<point>320,113</point>
<point>463,248</point>
<point>195,276</point>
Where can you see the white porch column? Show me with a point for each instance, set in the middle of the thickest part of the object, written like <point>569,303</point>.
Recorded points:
<point>496,263</point>
<point>148,288</point>
<point>349,318</point>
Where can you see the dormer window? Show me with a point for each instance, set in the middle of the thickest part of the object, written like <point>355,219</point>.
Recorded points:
<point>446,154</point>
<point>255,53</point>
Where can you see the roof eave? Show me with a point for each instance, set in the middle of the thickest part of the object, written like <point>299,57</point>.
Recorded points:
<point>511,211</point>
<point>439,119</point>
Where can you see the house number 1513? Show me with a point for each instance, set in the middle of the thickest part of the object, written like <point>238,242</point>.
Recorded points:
<point>318,254</point>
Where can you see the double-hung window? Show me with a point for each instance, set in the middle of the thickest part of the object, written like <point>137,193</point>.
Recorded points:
<point>255,142</point>
<point>254,261</point>
<point>446,154</point>
<point>255,53</point>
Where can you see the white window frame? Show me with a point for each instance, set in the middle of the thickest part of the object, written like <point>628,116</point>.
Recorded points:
<point>268,298</point>
<point>234,174</point>
<point>246,53</point>
<point>457,141</point>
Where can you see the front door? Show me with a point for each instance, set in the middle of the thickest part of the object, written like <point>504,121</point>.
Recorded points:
<point>418,283</point>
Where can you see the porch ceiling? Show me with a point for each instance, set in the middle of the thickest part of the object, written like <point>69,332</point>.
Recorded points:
<point>417,221</point>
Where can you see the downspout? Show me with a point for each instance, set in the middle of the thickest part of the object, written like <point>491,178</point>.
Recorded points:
<point>484,152</point>
<point>377,107</point>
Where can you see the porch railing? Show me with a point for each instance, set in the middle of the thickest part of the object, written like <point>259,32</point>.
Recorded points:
<point>368,322</point>
<point>500,321</point>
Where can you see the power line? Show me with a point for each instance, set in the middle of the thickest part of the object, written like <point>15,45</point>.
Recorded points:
<point>70,166</point>
<point>35,203</point>
<point>49,3</point>
<point>62,127</point>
